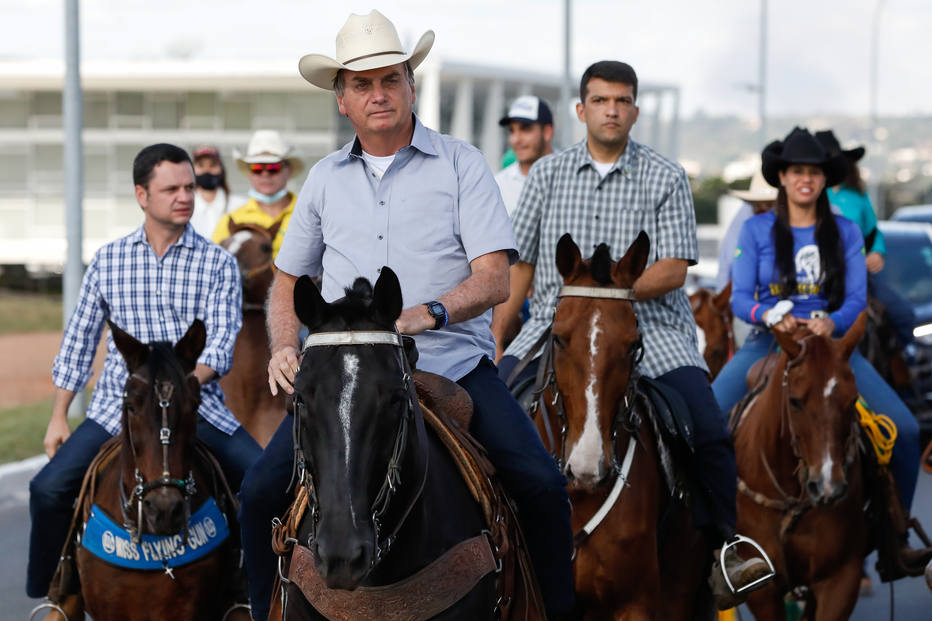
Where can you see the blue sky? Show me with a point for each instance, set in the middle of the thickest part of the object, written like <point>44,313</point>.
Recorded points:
<point>818,55</point>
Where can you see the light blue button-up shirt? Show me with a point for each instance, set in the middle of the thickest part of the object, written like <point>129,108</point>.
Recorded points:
<point>436,208</point>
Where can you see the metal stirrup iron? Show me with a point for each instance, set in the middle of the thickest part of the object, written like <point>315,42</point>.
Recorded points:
<point>748,587</point>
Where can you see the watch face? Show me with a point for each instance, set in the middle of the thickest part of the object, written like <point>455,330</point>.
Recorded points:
<point>435,308</point>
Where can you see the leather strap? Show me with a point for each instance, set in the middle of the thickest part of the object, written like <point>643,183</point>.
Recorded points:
<point>421,596</point>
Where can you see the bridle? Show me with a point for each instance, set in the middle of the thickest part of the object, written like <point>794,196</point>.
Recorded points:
<point>254,272</point>
<point>547,378</point>
<point>391,483</point>
<point>164,390</point>
<point>625,418</point>
<point>795,507</point>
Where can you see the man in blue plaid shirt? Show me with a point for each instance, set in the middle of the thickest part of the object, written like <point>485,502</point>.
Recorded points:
<point>153,284</point>
<point>608,188</point>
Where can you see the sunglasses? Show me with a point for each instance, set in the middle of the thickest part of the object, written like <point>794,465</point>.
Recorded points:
<point>273,168</point>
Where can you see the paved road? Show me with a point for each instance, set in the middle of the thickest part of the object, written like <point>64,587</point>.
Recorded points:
<point>912,599</point>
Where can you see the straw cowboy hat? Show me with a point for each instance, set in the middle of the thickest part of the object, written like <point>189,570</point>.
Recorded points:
<point>759,191</point>
<point>801,147</point>
<point>365,42</point>
<point>267,147</point>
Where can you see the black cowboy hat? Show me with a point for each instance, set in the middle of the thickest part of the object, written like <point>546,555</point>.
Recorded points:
<point>830,143</point>
<point>801,147</point>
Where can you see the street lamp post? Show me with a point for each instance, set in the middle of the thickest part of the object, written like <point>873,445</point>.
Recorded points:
<point>874,159</point>
<point>565,118</point>
<point>762,74</point>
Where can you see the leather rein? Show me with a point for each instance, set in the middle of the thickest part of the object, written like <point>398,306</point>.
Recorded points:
<point>626,417</point>
<point>164,391</point>
<point>392,481</point>
<point>794,507</point>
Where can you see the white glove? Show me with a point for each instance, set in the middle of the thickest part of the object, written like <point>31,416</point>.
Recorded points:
<point>776,314</point>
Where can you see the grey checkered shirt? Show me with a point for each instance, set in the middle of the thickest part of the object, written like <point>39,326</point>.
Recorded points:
<point>642,191</point>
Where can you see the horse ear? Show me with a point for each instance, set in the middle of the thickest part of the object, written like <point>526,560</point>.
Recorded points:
<point>695,301</point>
<point>189,348</point>
<point>273,230</point>
<point>386,297</point>
<point>852,337</point>
<point>789,344</point>
<point>134,352</point>
<point>568,256</point>
<point>309,304</point>
<point>632,265</point>
<point>231,226</point>
<point>722,299</point>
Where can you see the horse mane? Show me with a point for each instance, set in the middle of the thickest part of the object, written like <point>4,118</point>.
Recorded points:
<point>356,303</point>
<point>600,265</point>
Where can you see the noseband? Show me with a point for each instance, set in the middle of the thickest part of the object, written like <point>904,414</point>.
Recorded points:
<point>163,393</point>
<point>392,481</point>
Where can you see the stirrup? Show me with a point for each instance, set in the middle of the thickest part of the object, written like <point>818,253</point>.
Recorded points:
<point>737,539</point>
<point>245,607</point>
<point>47,605</point>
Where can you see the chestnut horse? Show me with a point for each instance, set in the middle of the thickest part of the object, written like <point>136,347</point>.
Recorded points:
<point>160,485</point>
<point>245,386</point>
<point>595,424</point>
<point>712,312</point>
<point>801,484</point>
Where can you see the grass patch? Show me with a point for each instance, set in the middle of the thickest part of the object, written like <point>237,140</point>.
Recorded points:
<point>22,429</point>
<point>29,312</point>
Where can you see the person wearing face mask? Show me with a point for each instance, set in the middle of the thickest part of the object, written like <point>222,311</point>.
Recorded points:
<point>268,163</point>
<point>212,197</point>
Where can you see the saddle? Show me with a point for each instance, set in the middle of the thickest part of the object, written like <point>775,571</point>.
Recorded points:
<point>65,587</point>
<point>447,411</point>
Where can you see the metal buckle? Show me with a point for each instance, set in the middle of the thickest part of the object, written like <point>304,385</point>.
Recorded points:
<point>738,539</point>
<point>281,576</point>
<point>165,435</point>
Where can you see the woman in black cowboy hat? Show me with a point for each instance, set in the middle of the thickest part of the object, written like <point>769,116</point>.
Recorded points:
<point>850,197</point>
<point>803,264</point>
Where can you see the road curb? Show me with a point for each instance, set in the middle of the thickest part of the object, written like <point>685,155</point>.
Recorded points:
<point>17,467</point>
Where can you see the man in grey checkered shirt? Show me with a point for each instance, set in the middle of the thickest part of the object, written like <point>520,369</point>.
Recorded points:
<point>608,188</point>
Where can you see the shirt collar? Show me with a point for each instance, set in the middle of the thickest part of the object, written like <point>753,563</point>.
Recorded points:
<point>420,140</point>
<point>187,238</point>
<point>625,163</point>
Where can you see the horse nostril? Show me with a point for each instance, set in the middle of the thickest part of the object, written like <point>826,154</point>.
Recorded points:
<point>812,487</point>
<point>569,472</point>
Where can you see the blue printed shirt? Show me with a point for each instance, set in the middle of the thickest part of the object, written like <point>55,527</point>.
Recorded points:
<point>755,279</point>
<point>153,299</point>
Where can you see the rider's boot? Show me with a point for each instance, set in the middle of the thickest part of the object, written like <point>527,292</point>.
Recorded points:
<point>896,558</point>
<point>732,583</point>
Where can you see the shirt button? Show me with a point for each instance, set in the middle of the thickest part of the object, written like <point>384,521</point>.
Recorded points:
<point>378,271</point>
<point>596,217</point>
<point>381,202</point>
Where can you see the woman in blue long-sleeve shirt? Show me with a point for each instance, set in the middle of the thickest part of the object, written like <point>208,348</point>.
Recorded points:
<point>804,253</point>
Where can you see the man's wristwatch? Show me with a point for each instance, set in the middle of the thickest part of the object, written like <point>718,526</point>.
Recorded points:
<point>437,310</point>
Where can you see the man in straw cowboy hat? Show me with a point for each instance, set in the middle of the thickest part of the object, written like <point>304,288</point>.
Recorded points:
<point>426,205</point>
<point>758,198</point>
<point>268,163</point>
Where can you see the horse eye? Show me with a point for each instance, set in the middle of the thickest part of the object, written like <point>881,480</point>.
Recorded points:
<point>267,247</point>
<point>558,342</point>
<point>796,404</point>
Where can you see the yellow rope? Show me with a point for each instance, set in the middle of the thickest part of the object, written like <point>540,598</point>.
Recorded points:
<point>880,429</point>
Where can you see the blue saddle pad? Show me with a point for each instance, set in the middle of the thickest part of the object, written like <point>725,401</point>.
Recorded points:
<point>112,543</point>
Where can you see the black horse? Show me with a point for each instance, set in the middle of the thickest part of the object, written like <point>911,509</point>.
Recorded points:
<point>386,498</point>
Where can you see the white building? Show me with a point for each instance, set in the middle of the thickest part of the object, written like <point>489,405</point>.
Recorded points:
<point>128,105</point>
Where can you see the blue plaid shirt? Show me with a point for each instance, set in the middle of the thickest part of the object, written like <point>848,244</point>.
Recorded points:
<point>642,191</point>
<point>153,299</point>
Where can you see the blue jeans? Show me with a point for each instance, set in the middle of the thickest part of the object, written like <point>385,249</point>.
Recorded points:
<point>731,385</point>
<point>715,453</point>
<point>524,466</point>
<point>53,491</point>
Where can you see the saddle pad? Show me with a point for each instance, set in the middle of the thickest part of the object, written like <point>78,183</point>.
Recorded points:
<point>112,543</point>
<point>671,409</point>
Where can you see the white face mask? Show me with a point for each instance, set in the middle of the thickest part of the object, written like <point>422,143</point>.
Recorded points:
<point>267,198</point>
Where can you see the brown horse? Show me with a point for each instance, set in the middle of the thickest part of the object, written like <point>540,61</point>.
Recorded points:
<point>714,318</point>
<point>800,474</point>
<point>246,386</point>
<point>595,424</point>
<point>158,483</point>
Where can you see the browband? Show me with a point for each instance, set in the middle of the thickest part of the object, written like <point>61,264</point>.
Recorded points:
<point>352,337</point>
<point>572,291</point>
